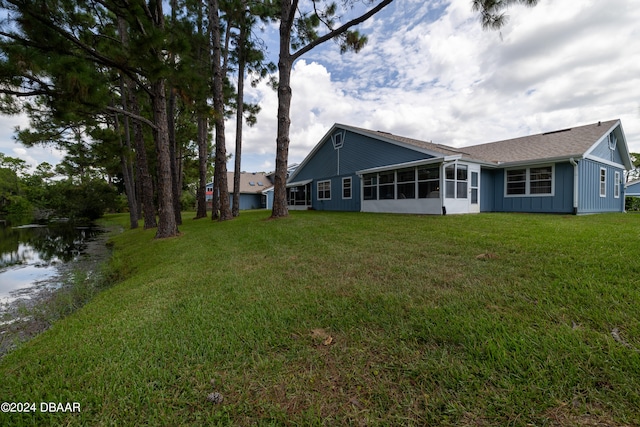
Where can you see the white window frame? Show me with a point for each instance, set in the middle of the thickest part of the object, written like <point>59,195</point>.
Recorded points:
<point>527,192</point>
<point>320,188</point>
<point>603,182</point>
<point>350,180</point>
<point>616,188</point>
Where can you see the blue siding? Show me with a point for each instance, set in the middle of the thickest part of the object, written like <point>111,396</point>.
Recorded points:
<point>589,199</point>
<point>248,201</point>
<point>603,151</point>
<point>633,189</point>
<point>358,152</point>
<point>337,203</point>
<point>560,202</point>
<point>487,193</point>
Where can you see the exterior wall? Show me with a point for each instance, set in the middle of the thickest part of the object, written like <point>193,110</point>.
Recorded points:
<point>337,203</point>
<point>589,199</point>
<point>357,153</point>
<point>633,190</point>
<point>603,151</point>
<point>487,191</point>
<point>248,201</point>
<point>560,202</point>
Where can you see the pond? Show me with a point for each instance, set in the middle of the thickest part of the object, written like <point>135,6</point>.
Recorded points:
<point>31,255</point>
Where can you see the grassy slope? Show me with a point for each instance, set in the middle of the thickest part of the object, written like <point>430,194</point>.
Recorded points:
<point>421,330</point>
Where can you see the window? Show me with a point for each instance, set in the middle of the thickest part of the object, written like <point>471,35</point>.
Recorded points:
<point>370,187</point>
<point>387,186</point>
<point>429,182</point>
<point>456,181</point>
<point>346,188</point>
<point>616,188</point>
<point>407,184</point>
<point>338,140</point>
<point>603,182</point>
<point>534,181</point>
<point>540,180</point>
<point>324,190</point>
<point>517,182</point>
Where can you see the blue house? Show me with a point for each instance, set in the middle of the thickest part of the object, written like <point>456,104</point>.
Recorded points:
<point>253,189</point>
<point>632,189</point>
<point>576,170</point>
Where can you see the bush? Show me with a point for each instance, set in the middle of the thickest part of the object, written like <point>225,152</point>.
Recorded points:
<point>632,204</point>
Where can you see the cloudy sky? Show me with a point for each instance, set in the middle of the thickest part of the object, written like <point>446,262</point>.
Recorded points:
<point>430,72</point>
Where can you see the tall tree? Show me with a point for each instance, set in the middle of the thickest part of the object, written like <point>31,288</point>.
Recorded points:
<point>298,30</point>
<point>221,189</point>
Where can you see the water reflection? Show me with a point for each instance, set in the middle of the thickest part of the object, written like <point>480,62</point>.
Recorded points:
<point>29,254</point>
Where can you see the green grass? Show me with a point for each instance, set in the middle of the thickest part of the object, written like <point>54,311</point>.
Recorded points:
<point>352,319</point>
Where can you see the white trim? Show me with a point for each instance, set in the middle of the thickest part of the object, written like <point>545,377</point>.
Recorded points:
<point>528,181</point>
<point>299,183</point>
<point>350,187</point>
<point>405,165</point>
<point>318,189</point>
<point>605,162</point>
<point>600,182</point>
<point>616,184</point>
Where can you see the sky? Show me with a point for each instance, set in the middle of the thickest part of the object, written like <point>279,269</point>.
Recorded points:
<point>430,72</point>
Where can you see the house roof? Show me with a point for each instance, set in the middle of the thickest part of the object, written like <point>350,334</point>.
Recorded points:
<point>437,149</point>
<point>250,182</point>
<point>559,144</point>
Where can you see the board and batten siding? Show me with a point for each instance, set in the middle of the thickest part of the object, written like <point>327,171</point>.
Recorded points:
<point>560,202</point>
<point>337,202</point>
<point>604,152</point>
<point>589,198</point>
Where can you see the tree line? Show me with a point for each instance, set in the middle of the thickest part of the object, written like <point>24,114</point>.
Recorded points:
<point>141,88</point>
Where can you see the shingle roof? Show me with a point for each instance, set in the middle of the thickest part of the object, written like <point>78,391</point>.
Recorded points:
<point>430,146</point>
<point>565,143</point>
<point>250,182</point>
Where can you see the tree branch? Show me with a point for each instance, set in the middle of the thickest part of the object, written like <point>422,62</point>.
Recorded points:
<point>133,116</point>
<point>341,29</point>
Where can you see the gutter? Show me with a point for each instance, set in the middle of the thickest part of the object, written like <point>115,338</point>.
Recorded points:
<point>575,185</point>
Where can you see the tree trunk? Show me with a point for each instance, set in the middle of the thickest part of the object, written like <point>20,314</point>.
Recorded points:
<point>201,194</point>
<point>285,63</point>
<point>235,211</point>
<point>220,183</point>
<point>142,166</point>
<point>167,226</point>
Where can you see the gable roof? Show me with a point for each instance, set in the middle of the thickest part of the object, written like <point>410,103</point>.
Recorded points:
<point>560,144</point>
<point>577,142</point>
<point>250,182</point>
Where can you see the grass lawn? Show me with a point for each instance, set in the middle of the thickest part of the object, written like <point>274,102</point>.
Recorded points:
<point>352,319</point>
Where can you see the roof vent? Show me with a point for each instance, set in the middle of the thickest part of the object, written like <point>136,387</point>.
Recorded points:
<point>557,131</point>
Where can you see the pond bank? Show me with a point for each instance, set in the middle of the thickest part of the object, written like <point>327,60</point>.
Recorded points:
<point>48,300</point>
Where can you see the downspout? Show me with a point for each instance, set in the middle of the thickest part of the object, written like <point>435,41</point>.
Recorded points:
<point>575,185</point>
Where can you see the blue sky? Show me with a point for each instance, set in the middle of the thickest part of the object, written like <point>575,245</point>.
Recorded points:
<point>430,72</point>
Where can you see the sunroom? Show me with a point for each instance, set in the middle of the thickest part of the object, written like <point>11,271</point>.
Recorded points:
<point>299,195</point>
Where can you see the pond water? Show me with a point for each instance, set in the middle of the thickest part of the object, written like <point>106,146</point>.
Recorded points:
<point>31,255</point>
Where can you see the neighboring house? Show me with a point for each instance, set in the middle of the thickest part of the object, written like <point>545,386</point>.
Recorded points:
<point>577,170</point>
<point>252,190</point>
<point>632,188</point>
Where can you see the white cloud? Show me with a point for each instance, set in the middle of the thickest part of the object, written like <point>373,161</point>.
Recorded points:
<point>430,72</point>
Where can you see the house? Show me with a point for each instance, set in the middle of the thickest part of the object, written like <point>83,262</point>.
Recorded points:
<point>632,188</point>
<point>253,186</point>
<point>577,170</point>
